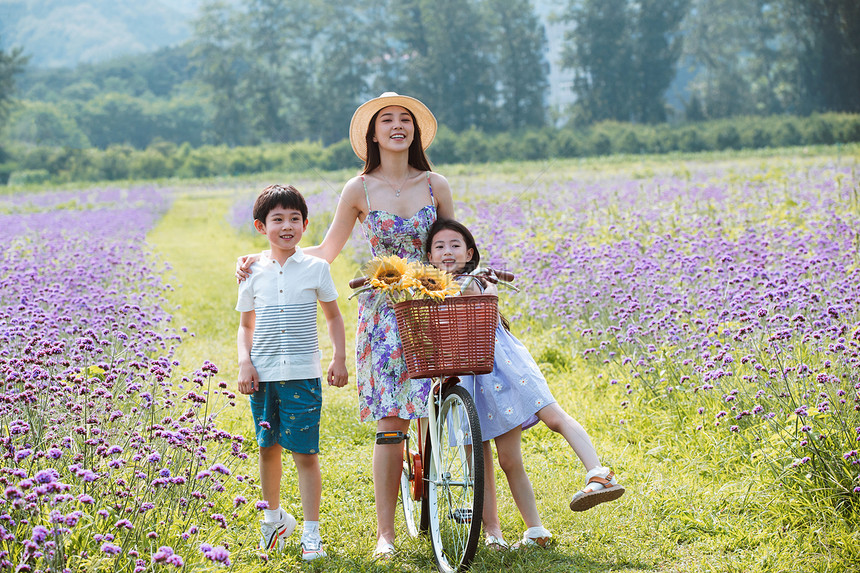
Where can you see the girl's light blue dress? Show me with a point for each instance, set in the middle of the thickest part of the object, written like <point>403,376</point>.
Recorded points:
<point>512,394</point>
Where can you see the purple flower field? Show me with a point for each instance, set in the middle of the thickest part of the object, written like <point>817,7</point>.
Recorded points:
<point>729,299</point>
<point>111,458</point>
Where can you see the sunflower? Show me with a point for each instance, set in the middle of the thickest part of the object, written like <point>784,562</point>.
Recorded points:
<point>430,282</point>
<point>388,273</point>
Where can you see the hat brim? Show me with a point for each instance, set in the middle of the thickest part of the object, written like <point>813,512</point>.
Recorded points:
<point>362,116</point>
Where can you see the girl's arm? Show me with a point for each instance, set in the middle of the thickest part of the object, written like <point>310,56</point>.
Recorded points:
<point>249,381</point>
<point>337,373</point>
<point>349,208</point>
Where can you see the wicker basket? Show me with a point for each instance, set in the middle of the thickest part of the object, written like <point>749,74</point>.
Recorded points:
<point>455,336</point>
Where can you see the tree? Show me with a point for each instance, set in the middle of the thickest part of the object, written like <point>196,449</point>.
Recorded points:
<point>443,48</point>
<point>599,52</point>
<point>217,57</point>
<point>826,36</point>
<point>11,64</point>
<point>656,49</point>
<point>520,69</point>
<point>731,43</point>
<point>624,54</point>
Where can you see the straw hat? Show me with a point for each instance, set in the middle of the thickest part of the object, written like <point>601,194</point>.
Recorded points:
<point>361,119</point>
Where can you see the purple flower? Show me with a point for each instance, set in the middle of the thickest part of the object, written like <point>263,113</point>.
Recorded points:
<point>40,534</point>
<point>217,554</point>
<point>162,554</point>
<point>220,468</point>
<point>111,549</point>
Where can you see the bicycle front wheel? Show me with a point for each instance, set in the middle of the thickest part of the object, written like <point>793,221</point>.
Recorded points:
<point>455,484</point>
<point>413,486</point>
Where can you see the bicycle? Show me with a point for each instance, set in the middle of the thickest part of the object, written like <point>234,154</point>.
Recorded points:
<point>442,481</point>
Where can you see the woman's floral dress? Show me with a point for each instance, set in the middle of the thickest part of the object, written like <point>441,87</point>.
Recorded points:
<point>384,387</point>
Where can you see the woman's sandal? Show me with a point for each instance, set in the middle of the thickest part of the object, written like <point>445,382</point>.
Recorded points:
<point>534,537</point>
<point>383,552</point>
<point>600,487</point>
<point>496,543</point>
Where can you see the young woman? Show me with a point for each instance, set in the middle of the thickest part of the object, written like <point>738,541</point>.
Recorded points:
<point>396,198</point>
<point>512,398</point>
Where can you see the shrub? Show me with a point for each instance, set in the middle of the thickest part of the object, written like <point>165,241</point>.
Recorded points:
<point>690,140</point>
<point>787,134</point>
<point>340,156</point>
<point>472,147</point>
<point>444,148</point>
<point>598,143</point>
<point>628,142</point>
<point>29,177</point>
<point>819,131</point>
<point>566,143</point>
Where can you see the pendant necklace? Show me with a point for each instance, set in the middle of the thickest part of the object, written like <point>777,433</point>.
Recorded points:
<point>396,189</point>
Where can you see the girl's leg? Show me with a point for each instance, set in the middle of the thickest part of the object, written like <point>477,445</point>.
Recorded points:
<point>490,517</point>
<point>600,483</point>
<point>559,421</point>
<point>387,466</point>
<point>270,475</point>
<point>510,454</point>
<point>310,484</point>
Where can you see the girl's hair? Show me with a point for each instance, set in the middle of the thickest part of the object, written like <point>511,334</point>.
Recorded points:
<point>457,227</point>
<point>417,157</point>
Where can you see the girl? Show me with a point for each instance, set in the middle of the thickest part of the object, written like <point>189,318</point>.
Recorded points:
<point>511,399</point>
<point>395,199</point>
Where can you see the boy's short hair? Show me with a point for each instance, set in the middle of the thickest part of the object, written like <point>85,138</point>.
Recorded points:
<point>285,196</point>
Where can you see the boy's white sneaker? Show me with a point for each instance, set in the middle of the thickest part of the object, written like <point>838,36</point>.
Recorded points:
<point>312,548</point>
<point>273,533</point>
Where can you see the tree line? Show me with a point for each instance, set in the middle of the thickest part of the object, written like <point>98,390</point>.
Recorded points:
<point>39,165</point>
<point>280,71</point>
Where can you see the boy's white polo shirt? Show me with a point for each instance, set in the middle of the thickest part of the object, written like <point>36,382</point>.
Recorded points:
<point>284,300</point>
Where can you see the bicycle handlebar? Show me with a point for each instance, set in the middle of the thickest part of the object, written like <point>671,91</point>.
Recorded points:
<point>506,276</point>
<point>357,282</point>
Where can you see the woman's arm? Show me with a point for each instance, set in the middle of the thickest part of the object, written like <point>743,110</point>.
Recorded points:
<point>349,207</point>
<point>443,195</point>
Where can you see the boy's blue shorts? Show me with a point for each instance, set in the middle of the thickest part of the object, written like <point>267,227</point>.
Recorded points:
<point>292,409</point>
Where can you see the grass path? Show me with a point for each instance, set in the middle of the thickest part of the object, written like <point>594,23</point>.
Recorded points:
<point>680,513</point>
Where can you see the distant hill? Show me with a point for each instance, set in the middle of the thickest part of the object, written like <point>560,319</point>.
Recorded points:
<point>64,33</point>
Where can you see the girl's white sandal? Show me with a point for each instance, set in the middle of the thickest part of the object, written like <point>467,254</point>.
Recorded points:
<point>496,543</point>
<point>535,537</point>
<point>601,486</point>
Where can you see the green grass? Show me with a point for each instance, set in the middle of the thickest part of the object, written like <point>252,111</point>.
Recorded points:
<point>686,509</point>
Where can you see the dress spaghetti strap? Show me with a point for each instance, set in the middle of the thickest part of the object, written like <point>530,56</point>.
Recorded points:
<point>429,186</point>
<point>366,196</point>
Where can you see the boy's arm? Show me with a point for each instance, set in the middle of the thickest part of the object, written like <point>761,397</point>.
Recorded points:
<point>337,373</point>
<point>249,381</point>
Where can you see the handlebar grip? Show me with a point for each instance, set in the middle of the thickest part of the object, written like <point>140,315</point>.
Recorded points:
<point>506,276</point>
<point>357,282</point>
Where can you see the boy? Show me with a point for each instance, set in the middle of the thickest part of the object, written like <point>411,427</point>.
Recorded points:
<point>279,360</point>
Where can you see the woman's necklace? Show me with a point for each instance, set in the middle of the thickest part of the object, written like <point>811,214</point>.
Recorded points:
<point>398,188</point>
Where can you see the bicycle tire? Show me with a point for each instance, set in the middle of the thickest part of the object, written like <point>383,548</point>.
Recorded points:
<point>456,495</point>
<point>414,510</point>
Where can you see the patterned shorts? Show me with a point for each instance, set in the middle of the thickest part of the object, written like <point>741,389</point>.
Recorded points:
<point>291,410</point>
